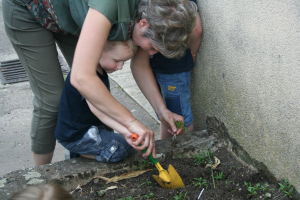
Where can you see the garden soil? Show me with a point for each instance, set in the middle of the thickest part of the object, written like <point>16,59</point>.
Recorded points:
<point>240,182</point>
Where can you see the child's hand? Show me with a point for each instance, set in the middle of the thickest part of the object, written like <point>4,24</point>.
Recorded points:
<point>194,57</point>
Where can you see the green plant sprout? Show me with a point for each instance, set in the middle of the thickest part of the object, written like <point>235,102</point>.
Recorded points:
<point>101,193</point>
<point>286,188</point>
<point>200,158</point>
<point>252,189</point>
<point>128,198</point>
<point>134,167</point>
<point>232,167</point>
<point>227,182</point>
<point>180,124</point>
<point>265,196</point>
<point>146,162</point>
<point>221,176</point>
<point>265,187</point>
<point>177,156</point>
<point>146,181</point>
<point>200,182</point>
<point>180,197</point>
<point>150,196</point>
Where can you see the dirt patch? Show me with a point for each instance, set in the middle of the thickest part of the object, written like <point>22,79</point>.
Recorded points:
<point>240,182</point>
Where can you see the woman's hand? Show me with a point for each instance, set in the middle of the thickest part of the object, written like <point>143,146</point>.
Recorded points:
<point>146,138</point>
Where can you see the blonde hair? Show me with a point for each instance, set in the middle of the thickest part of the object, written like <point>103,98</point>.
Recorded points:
<point>43,192</point>
<point>110,45</point>
<point>171,23</point>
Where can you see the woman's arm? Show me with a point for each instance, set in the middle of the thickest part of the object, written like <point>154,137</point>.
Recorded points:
<point>143,75</point>
<point>84,78</point>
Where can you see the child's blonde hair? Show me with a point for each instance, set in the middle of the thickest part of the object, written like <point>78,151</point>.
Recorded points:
<point>128,44</point>
<point>43,192</point>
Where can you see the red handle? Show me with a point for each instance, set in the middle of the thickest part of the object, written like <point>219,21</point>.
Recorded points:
<point>134,137</point>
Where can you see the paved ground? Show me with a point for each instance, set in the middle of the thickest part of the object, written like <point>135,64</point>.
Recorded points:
<point>16,108</point>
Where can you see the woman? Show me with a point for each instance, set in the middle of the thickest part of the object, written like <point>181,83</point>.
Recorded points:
<point>80,29</point>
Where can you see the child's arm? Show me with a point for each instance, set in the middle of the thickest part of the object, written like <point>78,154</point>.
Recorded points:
<point>111,123</point>
<point>195,37</point>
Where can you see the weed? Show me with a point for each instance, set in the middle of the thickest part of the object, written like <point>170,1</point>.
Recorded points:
<point>146,163</point>
<point>221,176</point>
<point>286,188</point>
<point>252,189</point>
<point>101,193</point>
<point>150,196</point>
<point>147,182</point>
<point>177,156</point>
<point>227,182</point>
<point>265,196</point>
<point>180,197</point>
<point>200,182</point>
<point>180,124</point>
<point>232,167</point>
<point>200,158</point>
<point>128,198</point>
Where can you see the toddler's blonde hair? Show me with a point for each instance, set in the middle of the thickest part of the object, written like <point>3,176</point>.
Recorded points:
<point>128,44</point>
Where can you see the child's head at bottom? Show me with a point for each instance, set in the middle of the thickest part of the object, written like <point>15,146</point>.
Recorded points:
<point>115,53</point>
<point>43,192</point>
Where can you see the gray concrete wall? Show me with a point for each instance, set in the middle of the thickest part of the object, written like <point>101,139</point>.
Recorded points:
<point>247,75</point>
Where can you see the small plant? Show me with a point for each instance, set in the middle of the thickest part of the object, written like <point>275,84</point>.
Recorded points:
<point>150,196</point>
<point>286,188</point>
<point>232,167</point>
<point>180,197</point>
<point>101,193</point>
<point>147,182</point>
<point>128,198</point>
<point>264,187</point>
<point>134,167</point>
<point>146,162</point>
<point>200,182</point>
<point>221,176</point>
<point>180,124</point>
<point>200,158</point>
<point>227,182</point>
<point>177,156</point>
<point>252,189</point>
<point>265,196</point>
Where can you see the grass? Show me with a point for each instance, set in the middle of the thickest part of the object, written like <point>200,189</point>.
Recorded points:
<point>211,167</point>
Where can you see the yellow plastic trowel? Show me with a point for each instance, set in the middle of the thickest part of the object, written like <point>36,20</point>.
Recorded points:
<point>167,179</point>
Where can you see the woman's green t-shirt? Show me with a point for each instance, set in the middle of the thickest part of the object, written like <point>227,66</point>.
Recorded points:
<point>67,16</point>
